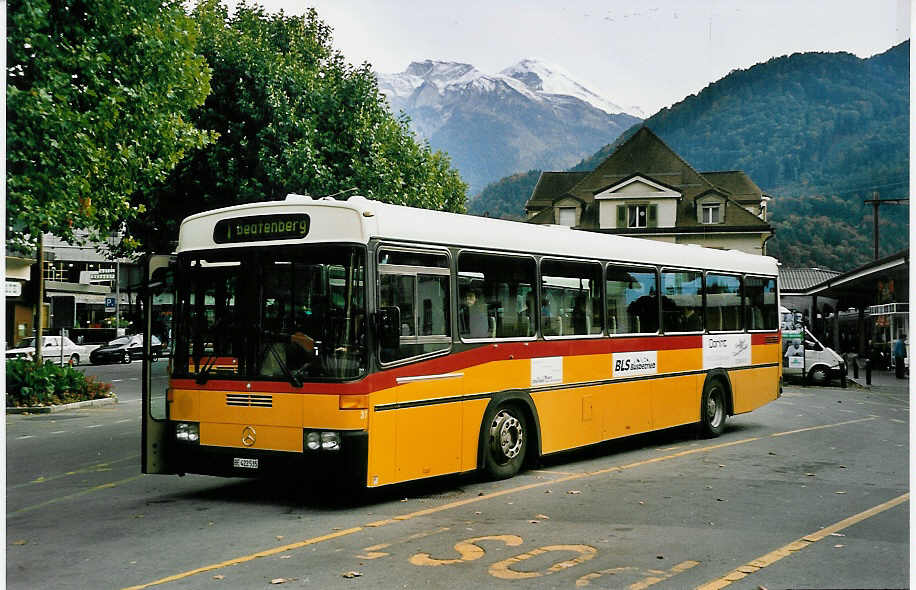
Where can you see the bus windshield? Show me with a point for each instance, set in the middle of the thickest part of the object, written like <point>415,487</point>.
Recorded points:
<point>294,314</point>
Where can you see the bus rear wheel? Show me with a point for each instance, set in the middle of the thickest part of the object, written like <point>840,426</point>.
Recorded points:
<point>712,409</point>
<point>507,442</point>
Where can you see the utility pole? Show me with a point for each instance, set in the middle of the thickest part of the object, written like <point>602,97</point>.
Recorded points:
<point>875,202</point>
<point>39,308</point>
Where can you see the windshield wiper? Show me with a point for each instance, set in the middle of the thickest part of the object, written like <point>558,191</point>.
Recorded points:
<point>293,378</point>
<point>204,374</point>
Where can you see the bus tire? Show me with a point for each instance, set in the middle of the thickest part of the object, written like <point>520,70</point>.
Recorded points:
<point>507,442</point>
<point>713,410</point>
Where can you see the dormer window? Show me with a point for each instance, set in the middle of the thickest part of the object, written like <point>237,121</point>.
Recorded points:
<point>712,213</point>
<point>566,216</point>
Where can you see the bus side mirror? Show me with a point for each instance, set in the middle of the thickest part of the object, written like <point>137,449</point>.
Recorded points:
<point>388,324</point>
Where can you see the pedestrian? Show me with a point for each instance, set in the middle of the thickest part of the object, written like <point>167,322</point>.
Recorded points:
<point>900,355</point>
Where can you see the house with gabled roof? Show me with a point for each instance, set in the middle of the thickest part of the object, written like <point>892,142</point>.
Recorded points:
<point>645,189</point>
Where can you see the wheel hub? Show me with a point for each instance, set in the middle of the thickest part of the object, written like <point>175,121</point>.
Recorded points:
<point>713,410</point>
<point>506,435</point>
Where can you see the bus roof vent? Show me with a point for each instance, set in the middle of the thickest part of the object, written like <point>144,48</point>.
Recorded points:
<point>300,198</point>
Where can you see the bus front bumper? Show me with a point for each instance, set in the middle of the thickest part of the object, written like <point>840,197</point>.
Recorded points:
<point>347,465</point>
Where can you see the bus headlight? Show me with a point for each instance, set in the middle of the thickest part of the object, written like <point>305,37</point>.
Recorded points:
<point>330,441</point>
<point>187,432</point>
<point>324,441</point>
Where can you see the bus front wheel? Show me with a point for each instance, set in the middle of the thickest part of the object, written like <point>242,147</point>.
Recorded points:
<point>712,409</point>
<point>507,441</point>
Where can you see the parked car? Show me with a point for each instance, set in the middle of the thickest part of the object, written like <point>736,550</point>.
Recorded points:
<point>51,350</point>
<point>125,349</point>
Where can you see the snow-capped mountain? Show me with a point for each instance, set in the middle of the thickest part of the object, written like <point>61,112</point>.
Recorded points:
<point>530,115</point>
<point>550,79</point>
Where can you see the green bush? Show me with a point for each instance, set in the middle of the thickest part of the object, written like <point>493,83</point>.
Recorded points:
<point>29,384</point>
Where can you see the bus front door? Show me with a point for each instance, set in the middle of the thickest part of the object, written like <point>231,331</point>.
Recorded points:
<point>158,303</point>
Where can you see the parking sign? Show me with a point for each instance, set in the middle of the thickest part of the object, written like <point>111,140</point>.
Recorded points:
<point>110,304</point>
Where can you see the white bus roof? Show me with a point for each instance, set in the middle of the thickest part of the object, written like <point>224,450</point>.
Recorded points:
<point>358,220</point>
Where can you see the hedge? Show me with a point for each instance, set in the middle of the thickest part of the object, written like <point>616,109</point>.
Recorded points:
<point>29,384</point>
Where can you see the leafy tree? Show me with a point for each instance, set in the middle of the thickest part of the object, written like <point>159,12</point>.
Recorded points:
<point>97,93</point>
<point>498,199</point>
<point>292,116</point>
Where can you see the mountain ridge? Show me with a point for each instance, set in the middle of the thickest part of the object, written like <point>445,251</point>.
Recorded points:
<point>816,130</point>
<point>529,115</point>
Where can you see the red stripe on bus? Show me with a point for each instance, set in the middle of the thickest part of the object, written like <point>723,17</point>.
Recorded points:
<point>764,338</point>
<point>484,353</point>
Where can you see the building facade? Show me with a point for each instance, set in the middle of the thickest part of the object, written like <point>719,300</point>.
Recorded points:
<point>644,189</point>
<point>86,292</point>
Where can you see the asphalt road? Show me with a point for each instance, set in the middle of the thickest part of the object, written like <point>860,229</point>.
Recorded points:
<point>810,491</point>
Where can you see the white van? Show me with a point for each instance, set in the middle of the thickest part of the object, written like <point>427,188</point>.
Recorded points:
<point>822,364</point>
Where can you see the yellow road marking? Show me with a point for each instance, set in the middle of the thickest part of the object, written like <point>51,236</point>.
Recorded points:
<point>475,499</point>
<point>374,552</point>
<point>93,467</point>
<point>103,486</point>
<point>797,545</point>
<point>587,578</point>
<point>662,576</point>
<point>238,560</point>
<point>504,571</point>
<point>654,577</point>
<point>821,427</point>
<point>468,549</point>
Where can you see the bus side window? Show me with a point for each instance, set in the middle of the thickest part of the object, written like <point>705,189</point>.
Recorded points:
<point>571,298</point>
<point>495,285</point>
<point>723,303</point>
<point>632,300</point>
<point>762,311</point>
<point>418,285</point>
<point>682,301</point>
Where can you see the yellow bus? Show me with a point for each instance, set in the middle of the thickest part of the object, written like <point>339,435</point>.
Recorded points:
<point>385,344</point>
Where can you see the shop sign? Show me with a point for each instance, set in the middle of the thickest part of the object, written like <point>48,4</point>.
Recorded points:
<point>13,289</point>
<point>102,276</point>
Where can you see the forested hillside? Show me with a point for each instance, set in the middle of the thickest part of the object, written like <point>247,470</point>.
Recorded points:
<point>817,131</point>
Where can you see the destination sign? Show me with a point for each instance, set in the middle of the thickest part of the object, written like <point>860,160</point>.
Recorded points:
<point>257,228</point>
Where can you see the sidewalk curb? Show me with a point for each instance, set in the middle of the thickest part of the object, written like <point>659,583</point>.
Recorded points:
<point>90,403</point>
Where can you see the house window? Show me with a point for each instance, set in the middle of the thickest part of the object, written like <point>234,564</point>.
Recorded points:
<point>567,216</point>
<point>633,216</point>
<point>637,215</point>
<point>712,213</point>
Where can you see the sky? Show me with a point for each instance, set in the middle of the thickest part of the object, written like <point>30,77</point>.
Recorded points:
<point>649,54</point>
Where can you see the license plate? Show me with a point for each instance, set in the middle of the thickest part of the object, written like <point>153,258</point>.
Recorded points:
<point>246,463</point>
